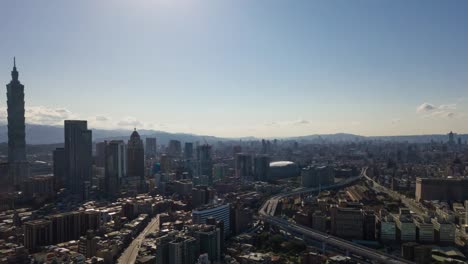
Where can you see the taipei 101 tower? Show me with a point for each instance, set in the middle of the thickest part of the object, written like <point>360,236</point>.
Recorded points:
<point>18,165</point>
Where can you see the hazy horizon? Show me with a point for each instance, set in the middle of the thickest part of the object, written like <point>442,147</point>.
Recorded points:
<point>244,68</point>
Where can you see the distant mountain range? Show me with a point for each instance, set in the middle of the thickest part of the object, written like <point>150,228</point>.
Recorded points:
<point>43,134</point>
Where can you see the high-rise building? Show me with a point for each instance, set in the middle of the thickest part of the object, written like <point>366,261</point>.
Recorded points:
<point>188,150</point>
<point>78,156</point>
<point>151,146</point>
<point>58,156</point>
<point>16,121</point>
<point>209,238</point>
<point>218,212</point>
<point>18,167</point>
<point>315,176</point>
<point>88,244</point>
<point>261,167</point>
<point>100,157</point>
<point>347,222</point>
<point>37,233</point>
<point>244,165</point>
<point>205,162</point>
<point>136,159</point>
<point>115,167</point>
<point>175,148</point>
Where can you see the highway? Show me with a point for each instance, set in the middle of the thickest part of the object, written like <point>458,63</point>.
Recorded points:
<point>267,212</point>
<point>130,254</point>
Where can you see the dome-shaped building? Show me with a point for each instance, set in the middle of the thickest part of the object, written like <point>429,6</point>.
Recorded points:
<point>283,169</point>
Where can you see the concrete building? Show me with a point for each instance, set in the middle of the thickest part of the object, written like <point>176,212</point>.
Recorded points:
<point>243,166</point>
<point>205,162</point>
<point>315,176</point>
<point>406,229</point>
<point>262,168</point>
<point>347,222</point>
<point>59,169</point>
<point>151,146</point>
<point>219,212</point>
<point>387,228</point>
<point>444,231</point>
<point>447,189</point>
<point>188,150</point>
<point>424,229</point>
<point>37,233</point>
<point>100,156</point>
<point>174,149</point>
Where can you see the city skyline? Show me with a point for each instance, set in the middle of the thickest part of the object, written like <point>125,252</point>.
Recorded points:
<point>210,68</point>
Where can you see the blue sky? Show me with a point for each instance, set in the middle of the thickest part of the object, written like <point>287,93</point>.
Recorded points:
<point>238,68</point>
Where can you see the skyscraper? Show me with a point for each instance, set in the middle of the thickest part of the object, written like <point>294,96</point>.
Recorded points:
<point>175,148</point>
<point>151,146</point>
<point>188,150</point>
<point>16,123</point>
<point>18,167</point>
<point>205,162</point>
<point>115,167</point>
<point>244,165</point>
<point>136,158</point>
<point>59,167</point>
<point>261,167</point>
<point>78,156</point>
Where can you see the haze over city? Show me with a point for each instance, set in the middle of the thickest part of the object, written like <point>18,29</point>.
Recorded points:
<point>242,68</point>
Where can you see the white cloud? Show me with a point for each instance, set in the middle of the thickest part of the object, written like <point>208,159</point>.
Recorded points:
<point>101,118</point>
<point>130,122</point>
<point>300,122</point>
<point>47,116</point>
<point>441,111</point>
<point>425,107</point>
<point>395,120</point>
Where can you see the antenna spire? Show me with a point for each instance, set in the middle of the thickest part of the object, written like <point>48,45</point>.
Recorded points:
<point>14,62</point>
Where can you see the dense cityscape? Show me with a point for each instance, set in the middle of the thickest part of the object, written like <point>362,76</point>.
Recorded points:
<point>234,201</point>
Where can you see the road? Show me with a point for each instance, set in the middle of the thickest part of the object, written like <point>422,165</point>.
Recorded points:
<point>131,252</point>
<point>267,212</point>
<point>410,203</point>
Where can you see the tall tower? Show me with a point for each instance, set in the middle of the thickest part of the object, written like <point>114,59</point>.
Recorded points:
<point>115,167</point>
<point>136,159</point>
<point>16,124</point>
<point>78,157</point>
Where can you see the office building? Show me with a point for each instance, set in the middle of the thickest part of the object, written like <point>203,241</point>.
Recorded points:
<point>174,149</point>
<point>202,195</point>
<point>424,229</point>
<point>188,150</point>
<point>218,212</point>
<point>59,169</point>
<point>219,171</point>
<point>387,228</point>
<point>347,222</point>
<point>37,233</point>
<point>447,189</point>
<point>406,229</point>
<point>115,167</point>
<point>100,157</point>
<point>444,231</point>
<point>78,157</point>
<point>209,239</point>
<point>151,147</point>
<point>261,168</point>
<point>205,162</point>
<point>136,161</point>
<point>244,166</point>
<point>87,245</point>
<point>317,176</point>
